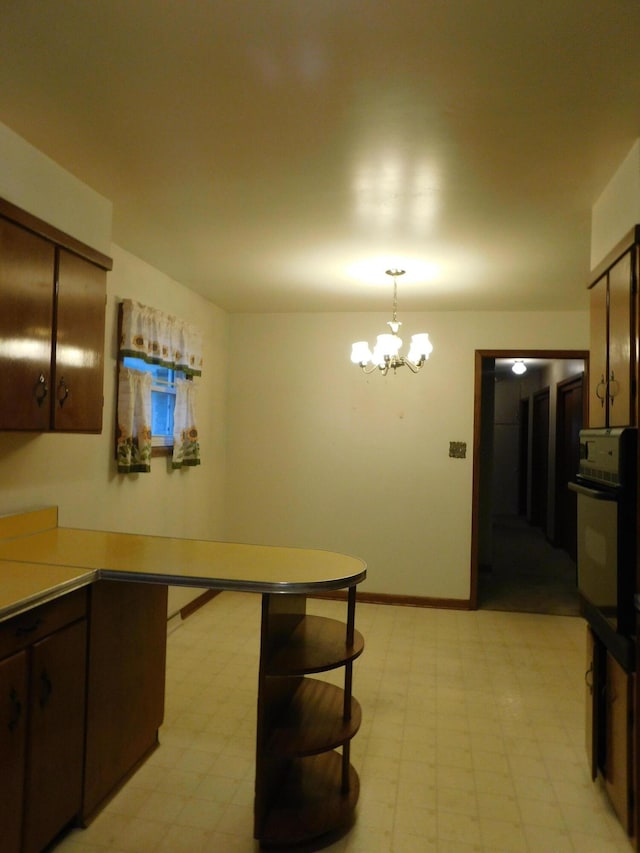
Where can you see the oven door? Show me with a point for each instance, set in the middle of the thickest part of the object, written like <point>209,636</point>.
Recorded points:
<point>606,574</point>
<point>598,547</point>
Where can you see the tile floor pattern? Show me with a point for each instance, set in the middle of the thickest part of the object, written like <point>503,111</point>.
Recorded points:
<point>472,738</point>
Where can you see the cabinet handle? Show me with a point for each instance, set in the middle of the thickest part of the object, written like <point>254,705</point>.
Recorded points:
<point>46,688</point>
<point>588,677</point>
<point>601,396</point>
<point>28,629</point>
<point>63,392</point>
<point>16,709</point>
<point>614,387</point>
<point>40,390</point>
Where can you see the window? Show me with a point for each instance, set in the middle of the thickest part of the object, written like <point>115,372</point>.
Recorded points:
<point>158,355</point>
<point>163,398</point>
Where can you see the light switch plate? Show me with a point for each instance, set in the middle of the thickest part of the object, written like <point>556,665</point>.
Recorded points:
<point>458,449</point>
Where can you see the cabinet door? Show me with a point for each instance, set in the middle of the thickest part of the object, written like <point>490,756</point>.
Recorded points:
<point>13,717</point>
<point>598,354</point>
<point>56,735</point>
<point>26,314</point>
<point>617,775</point>
<point>591,704</point>
<point>620,356</point>
<point>125,693</point>
<point>79,345</point>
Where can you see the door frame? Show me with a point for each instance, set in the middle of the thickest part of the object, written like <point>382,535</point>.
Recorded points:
<point>481,354</point>
<point>563,389</point>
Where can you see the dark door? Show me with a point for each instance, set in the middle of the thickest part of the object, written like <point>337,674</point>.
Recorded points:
<point>569,421</point>
<point>540,459</point>
<point>523,456</point>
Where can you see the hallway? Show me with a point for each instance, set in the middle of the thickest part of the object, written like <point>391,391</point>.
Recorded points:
<point>528,574</point>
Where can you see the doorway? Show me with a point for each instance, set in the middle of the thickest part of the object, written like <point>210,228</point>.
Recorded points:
<point>523,537</point>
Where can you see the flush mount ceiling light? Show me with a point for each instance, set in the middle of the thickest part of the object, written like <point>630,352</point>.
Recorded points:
<point>519,367</point>
<point>386,352</point>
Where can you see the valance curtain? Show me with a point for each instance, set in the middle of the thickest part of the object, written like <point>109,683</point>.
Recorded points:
<point>160,338</point>
<point>156,338</point>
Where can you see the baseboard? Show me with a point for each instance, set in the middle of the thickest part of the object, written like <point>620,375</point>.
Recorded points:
<point>190,608</point>
<point>400,600</point>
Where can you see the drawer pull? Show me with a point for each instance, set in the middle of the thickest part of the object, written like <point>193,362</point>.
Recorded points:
<point>46,688</point>
<point>16,709</point>
<point>22,630</point>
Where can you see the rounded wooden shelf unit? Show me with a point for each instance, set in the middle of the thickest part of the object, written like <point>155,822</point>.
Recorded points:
<point>310,802</point>
<point>314,720</point>
<point>317,644</point>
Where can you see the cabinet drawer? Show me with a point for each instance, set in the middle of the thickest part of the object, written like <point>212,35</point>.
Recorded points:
<point>27,628</point>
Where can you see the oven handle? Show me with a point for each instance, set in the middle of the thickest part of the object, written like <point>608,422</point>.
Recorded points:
<point>596,494</point>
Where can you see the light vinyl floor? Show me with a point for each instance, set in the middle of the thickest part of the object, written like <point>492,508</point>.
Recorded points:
<point>472,738</point>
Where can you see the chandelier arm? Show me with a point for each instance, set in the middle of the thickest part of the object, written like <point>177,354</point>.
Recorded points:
<point>414,368</point>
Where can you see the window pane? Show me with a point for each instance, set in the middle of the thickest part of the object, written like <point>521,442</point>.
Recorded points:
<point>162,413</point>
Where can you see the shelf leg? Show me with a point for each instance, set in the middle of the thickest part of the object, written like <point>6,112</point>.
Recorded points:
<point>346,765</point>
<point>351,615</point>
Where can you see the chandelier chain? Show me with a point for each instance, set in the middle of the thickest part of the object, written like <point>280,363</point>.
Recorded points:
<point>395,300</point>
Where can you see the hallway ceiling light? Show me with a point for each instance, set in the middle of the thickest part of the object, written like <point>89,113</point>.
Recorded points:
<point>519,367</point>
<point>386,352</point>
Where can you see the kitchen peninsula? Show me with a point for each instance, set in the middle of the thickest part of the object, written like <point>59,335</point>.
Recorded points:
<point>83,638</point>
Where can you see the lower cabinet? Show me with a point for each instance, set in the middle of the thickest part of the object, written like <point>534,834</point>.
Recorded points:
<point>306,787</point>
<point>126,679</point>
<point>42,685</point>
<point>81,701</point>
<point>13,747</point>
<point>609,727</point>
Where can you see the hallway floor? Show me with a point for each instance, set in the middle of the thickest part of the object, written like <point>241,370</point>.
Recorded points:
<point>528,575</point>
<point>472,738</point>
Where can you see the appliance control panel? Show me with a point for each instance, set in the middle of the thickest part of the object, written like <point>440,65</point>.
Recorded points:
<point>608,455</point>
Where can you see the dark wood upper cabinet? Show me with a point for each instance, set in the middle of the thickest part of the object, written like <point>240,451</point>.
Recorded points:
<point>52,320</point>
<point>26,324</point>
<point>613,356</point>
<point>79,346</point>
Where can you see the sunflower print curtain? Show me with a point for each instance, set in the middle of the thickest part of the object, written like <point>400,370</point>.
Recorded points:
<point>186,448</point>
<point>134,422</point>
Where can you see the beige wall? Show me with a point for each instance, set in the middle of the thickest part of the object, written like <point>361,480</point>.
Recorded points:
<point>29,179</point>
<point>617,209</point>
<point>320,455</point>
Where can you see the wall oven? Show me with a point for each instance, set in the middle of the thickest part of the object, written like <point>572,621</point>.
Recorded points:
<point>606,487</point>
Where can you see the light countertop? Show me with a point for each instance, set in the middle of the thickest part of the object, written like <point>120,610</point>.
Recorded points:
<point>36,554</point>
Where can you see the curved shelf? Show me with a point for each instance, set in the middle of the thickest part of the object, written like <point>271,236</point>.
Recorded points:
<point>317,644</point>
<point>314,721</point>
<point>310,802</point>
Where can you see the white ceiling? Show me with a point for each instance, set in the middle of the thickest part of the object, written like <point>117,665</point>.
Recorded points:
<point>279,155</point>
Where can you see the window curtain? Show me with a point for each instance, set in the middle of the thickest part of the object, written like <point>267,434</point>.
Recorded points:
<point>134,422</point>
<point>160,338</point>
<point>186,448</point>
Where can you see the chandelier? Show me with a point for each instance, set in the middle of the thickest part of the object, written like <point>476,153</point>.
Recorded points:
<point>386,352</point>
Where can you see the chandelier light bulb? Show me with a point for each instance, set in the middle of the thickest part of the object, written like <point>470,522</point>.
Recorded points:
<point>386,352</point>
<point>519,367</point>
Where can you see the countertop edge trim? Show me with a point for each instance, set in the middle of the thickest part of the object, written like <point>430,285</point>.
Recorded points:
<point>50,594</point>
<point>229,585</point>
